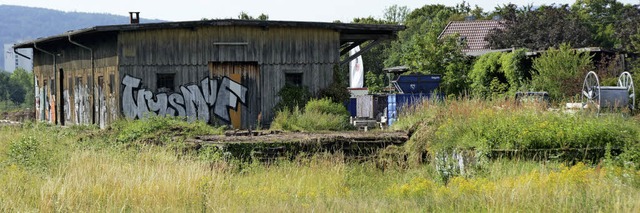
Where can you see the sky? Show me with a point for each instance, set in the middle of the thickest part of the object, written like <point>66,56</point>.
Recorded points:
<point>289,10</point>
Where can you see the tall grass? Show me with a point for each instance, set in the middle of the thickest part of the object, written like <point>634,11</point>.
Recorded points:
<point>90,170</point>
<point>318,115</point>
<point>155,178</point>
<point>473,124</point>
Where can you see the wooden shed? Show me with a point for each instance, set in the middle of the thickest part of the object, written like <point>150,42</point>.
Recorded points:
<point>219,71</point>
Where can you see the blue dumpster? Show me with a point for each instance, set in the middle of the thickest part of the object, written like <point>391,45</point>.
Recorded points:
<point>411,84</point>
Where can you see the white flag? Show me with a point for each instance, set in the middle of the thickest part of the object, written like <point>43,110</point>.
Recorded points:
<point>356,70</point>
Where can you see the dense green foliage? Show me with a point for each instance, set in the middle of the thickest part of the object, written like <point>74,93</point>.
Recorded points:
<point>481,126</point>
<point>318,115</point>
<point>292,96</point>
<point>45,168</point>
<point>373,59</point>
<point>16,90</point>
<point>561,71</point>
<point>159,129</point>
<point>420,47</point>
<point>375,83</point>
<point>496,74</point>
<point>337,90</point>
<point>540,28</point>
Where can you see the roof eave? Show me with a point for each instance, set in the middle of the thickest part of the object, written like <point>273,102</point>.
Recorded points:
<point>343,28</point>
<point>29,44</point>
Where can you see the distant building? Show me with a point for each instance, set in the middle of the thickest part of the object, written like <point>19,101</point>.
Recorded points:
<point>474,33</point>
<point>218,71</point>
<point>12,61</point>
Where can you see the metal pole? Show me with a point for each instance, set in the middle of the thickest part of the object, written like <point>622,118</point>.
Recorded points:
<point>35,46</point>
<point>93,83</point>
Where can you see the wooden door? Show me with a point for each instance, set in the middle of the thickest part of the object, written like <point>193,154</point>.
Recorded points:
<point>245,78</point>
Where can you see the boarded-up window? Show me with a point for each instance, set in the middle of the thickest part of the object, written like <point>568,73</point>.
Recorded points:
<point>112,79</point>
<point>100,82</point>
<point>79,81</point>
<point>165,82</point>
<point>292,78</point>
<point>70,86</point>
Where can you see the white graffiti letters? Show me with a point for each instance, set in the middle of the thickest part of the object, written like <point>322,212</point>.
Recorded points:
<point>193,101</point>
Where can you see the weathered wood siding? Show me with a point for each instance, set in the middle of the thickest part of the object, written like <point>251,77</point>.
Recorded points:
<point>188,53</point>
<point>72,101</point>
<point>248,75</point>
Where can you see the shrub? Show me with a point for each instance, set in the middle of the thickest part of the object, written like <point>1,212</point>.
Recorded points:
<point>156,129</point>
<point>287,120</point>
<point>28,152</point>
<point>40,148</point>
<point>292,96</point>
<point>325,105</point>
<point>561,71</point>
<point>495,74</point>
<point>489,126</point>
<point>318,115</point>
<point>337,90</point>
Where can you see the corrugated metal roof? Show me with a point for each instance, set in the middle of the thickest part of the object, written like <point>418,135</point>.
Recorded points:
<point>348,32</point>
<point>473,32</point>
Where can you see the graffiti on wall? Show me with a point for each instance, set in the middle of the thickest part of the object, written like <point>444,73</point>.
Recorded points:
<point>193,101</point>
<point>101,108</point>
<point>67,102</point>
<point>38,92</point>
<point>81,103</point>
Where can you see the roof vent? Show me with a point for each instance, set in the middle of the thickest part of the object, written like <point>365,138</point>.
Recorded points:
<point>134,17</point>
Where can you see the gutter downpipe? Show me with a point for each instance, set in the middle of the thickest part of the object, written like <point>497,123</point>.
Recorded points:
<point>20,54</point>
<point>34,76</point>
<point>93,95</point>
<point>35,46</point>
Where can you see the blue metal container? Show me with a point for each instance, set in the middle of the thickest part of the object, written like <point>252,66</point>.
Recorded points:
<point>392,114</point>
<point>399,102</point>
<point>411,84</point>
<point>352,107</point>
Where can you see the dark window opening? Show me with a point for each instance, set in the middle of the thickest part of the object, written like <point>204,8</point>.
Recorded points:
<point>293,79</point>
<point>70,85</point>
<point>78,81</point>
<point>111,80</point>
<point>165,82</point>
<point>100,82</point>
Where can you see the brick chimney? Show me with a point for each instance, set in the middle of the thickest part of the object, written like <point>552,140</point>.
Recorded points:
<point>134,17</point>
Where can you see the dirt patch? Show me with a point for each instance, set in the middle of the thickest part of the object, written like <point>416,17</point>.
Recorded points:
<point>269,145</point>
<point>280,137</point>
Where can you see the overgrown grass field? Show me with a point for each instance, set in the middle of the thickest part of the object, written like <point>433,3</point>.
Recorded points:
<point>143,166</point>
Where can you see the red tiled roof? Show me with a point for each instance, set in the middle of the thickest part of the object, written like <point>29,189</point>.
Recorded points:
<point>473,32</point>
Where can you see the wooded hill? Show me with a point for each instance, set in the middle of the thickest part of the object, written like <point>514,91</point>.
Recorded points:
<point>18,23</point>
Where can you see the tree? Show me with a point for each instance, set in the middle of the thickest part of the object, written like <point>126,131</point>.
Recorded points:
<point>373,60</point>
<point>11,89</point>
<point>539,29</point>
<point>245,16</point>
<point>560,71</point>
<point>497,74</point>
<point>627,28</point>
<point>23,79</point>
<point>396,14</point>
<point>420,47</point>
<point>600,16</point>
